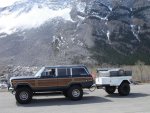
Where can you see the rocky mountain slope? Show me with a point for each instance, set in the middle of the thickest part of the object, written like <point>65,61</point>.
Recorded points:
<point>47,32</point>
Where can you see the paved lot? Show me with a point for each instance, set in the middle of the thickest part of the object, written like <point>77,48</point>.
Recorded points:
<point>93,102</point>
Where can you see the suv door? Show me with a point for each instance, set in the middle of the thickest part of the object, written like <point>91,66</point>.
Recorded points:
<point>48,80</point>
<point>63,77</point>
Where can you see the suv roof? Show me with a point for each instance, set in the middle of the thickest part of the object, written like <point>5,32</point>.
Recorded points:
<point>62,66</point>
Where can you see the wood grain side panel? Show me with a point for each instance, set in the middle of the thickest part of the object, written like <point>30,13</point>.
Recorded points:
<point>64,81</point>
<point>67,81</point>
<point>82,79</point>
<point>47,82</point>
<point>30,82</point>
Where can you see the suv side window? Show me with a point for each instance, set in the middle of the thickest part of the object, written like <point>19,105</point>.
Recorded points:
<point>79,72</point>
<point>63,72</point>
<point>48,73</point>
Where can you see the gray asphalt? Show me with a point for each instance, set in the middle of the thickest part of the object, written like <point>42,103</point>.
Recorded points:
<point>93,102</point>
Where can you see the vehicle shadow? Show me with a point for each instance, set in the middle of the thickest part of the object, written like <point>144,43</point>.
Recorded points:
<point>61,101</point>
<point>131,95</point>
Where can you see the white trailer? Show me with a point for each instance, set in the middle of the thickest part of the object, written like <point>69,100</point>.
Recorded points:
<point>112,79</point>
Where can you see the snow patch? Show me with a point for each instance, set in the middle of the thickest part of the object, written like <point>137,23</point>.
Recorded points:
<point>135,33</point>
<point>80,43</point>
<point>32,19</point>
<point>110,8</point>
<point>5,3</point>
<point>59,41</point>
<point>72,39</point>
<point>2,36</point>
<point>80,17</point>
<point>81,6</point>
<point>54,38</point>
<point>61,38</point>
<point>102,18</point>
<point>108,35</point>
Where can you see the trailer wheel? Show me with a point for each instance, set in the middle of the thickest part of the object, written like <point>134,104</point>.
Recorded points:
<point>110,89</point>
<point>124,89</point>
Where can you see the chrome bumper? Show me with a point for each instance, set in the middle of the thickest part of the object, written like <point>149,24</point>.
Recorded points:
<point>11,90</point>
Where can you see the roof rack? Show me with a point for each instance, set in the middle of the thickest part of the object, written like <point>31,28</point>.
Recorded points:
<point>56,66</point>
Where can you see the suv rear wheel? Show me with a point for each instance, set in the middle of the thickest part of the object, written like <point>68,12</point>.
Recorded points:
<point>75,93</point>
<point>23,95</point>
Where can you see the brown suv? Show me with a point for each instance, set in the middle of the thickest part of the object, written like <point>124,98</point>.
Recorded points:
<point>70,80</point>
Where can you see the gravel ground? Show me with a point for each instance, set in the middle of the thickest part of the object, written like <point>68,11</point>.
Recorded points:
<point>93,102</point>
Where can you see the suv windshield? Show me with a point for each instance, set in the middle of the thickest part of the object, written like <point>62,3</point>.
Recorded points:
<point>38,74</point>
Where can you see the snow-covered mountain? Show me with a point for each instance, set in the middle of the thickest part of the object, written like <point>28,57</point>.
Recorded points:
<point>42,32</point>
<point>27,14</point>
<point>45,32</point>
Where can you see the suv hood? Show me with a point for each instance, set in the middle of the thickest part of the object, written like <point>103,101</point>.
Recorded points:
<point>22,77</point>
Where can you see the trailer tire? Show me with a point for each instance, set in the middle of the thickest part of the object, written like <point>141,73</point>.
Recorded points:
<point>110,89</point>
<point>124,89</point>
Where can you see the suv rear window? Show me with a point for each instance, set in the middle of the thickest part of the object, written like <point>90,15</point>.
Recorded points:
<point>79,71</point>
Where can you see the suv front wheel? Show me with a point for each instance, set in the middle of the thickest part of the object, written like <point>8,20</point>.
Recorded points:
<point>75,93</point>
<point>23,95</point>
